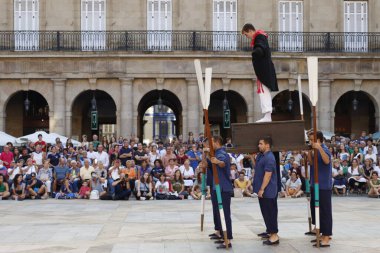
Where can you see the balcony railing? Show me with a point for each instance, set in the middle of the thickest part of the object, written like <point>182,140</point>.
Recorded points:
<point>184,41</point>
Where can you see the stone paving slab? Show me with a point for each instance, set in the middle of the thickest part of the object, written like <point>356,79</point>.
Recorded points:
<point>77,226</point>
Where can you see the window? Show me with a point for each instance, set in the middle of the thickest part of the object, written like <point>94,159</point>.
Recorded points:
<point>356,25</point>
<point>224,24</point>
<point>290,26</point>
<point>26,15</point>
<point>159,24</point>
<point>93,25</point>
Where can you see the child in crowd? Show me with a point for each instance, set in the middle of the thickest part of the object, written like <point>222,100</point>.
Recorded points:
<point>84,192</point>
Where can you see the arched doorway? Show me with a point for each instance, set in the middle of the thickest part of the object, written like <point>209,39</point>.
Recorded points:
<point>159,116</point>
<point>354,112</point>
<point>238,111</point>
<point>26,113</point>
<point>286,106</point>
<point>81,114</point>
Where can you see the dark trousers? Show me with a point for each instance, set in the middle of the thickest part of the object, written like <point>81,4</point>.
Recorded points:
<point>215,210</point>
<point>269,211</point>
<point>325,211</point>
<point>226,202</point>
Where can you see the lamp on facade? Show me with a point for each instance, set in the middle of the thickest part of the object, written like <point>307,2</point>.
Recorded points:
<point>290,102</point>
<point>225,103</point>
<point>159,103</point>
<point>93,103</point>
<point>27,102</point>
<point>355,103</point>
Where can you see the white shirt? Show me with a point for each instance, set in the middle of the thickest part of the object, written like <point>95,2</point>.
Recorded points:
<point>153,157</point>
<point>37,157</point>
<point>374,150</point>
<point>372,156</point>
<point>15,172</point>
<point>115,173</point>
<point>103,157</point>
<point>293,185</point>
<point>30,170</point>
<point>91,155</point>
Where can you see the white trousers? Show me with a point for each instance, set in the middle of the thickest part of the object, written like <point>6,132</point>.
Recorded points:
<point>48,186</point>
<point>266,100</point>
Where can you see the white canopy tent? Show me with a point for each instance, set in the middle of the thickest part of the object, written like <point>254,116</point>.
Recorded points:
<point>5,138</point>
<point>48,138</point>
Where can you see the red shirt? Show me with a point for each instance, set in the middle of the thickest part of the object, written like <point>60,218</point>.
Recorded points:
<point>42,144</point>
<point>7,157</point>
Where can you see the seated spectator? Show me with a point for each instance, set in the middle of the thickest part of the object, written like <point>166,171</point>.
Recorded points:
<point>196,193</point>
<point>35,188</point>
<point>61,172</point>
<point>113,174</point>
<point>4,188</point>
<point>343,153</point>
<point>14,170</point>
<point>339,178</point>
<point>357,180</point>
<point>162,188</point>
<point>84,192</point>
<point>181,157</point>
<point>293,186</point>
<point>187,174</point>
<point>357,154</point>
<point>170,169</point>
<point>233,173</point>
<point>122,188</point>
<point>74,175</point>
<point>374,186</point>
<point>242,183</point>
<point>157,170</point>
<point>96,184</point>
<point>102,174</point>
<point>179,185</point>
<point>18,188</point>
<point>131,173</point>
<point>144,187</point>
<point>198,182</point>
<point>3,169</point>
<point>66,191</point>
<point>368,169</point>
<point>29,168</point>
<point>370,155</point>
<point>144,168</point>
<point>45,174</point>
<point>86,170</point>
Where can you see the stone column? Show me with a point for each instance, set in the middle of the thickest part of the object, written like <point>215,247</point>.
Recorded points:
<point>324,105</point>
<point>68,124</point>
<point>126,107</point>
<point>193,104</point>
<point>3,118</point>
<point>58,123</point>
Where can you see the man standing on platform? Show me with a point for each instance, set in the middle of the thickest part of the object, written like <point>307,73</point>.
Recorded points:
<point>264,68</point>
<point>265,185</point>
<point>325,186</point>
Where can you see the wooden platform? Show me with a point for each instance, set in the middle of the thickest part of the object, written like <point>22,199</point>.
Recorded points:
<point>286,135</point>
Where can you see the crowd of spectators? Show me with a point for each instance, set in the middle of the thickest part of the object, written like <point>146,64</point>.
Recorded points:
<point>116,169</point>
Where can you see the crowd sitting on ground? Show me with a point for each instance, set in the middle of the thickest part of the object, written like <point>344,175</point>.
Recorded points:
<point>117,169</point>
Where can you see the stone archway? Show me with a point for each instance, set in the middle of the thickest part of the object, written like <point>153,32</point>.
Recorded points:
<point>22,121</point>
<point>171,111</point>
<point>81,114</point>
<point>355,112</point>
<point>285,110</point>
<point>238,110</point>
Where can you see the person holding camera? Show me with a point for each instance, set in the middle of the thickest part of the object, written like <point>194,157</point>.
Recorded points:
<point>122,188</point>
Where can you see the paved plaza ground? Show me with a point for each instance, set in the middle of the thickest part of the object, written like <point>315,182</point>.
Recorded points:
<point>173,226</point>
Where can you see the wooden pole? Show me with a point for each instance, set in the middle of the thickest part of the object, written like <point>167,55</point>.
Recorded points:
<point>216,178</point>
